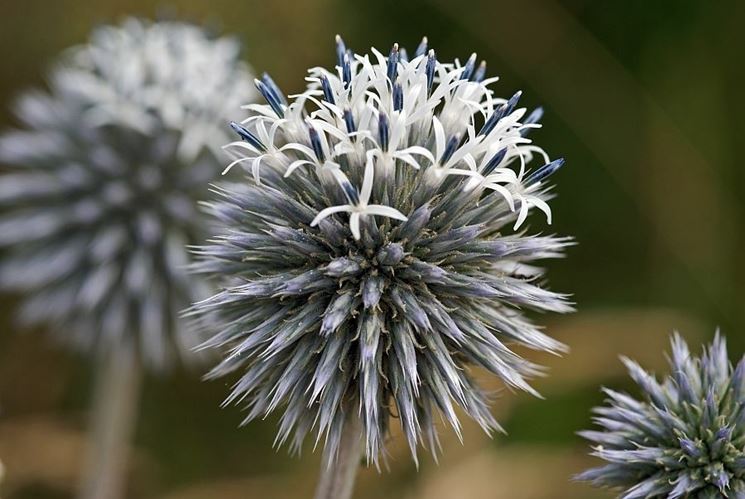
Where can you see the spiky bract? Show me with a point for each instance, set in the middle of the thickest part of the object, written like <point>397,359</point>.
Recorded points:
<point>101,199</point>
<point>685,438</point>
<point>370,260</point>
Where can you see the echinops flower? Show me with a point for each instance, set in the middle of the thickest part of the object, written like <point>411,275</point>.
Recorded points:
<point>101,198</point>
<point>683,438</point>
<point>373,256</point>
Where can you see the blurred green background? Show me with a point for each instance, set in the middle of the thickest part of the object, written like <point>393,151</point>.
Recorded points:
<point>643,98</point>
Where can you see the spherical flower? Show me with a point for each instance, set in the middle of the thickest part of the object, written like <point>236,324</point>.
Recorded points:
<point>371,259</point>
<point>101,199</point>
<point>683,438</point>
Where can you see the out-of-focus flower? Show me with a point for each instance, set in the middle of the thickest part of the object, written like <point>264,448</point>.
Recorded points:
<point>101,200</point>
<point>369,261</point>
<point>683,438</point>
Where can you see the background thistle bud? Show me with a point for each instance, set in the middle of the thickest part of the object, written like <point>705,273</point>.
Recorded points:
<point>371,257</point>
<point>683,438</point>
<point>101,201</point>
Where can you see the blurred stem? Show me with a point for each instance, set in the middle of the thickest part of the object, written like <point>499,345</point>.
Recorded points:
<point>337,475</point>
<point>112,423</point>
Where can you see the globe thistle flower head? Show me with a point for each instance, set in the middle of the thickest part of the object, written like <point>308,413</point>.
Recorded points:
<point>100,200</point>
<point>683,438</point>
<point>371,258</point>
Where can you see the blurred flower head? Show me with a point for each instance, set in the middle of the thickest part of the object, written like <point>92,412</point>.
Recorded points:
<point>101,199</point>
<point>683,438</point>
<point>370,258</point>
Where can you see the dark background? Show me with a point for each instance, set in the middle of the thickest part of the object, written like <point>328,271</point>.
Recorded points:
<point>645,101</point>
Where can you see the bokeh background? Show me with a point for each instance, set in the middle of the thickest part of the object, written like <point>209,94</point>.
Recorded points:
<point>645,101</point>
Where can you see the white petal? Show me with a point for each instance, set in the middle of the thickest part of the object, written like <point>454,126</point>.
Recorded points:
<point>330,211</point>
<point>385,211</point>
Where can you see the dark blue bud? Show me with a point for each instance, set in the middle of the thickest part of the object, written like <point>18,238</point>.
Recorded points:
<point>421,48</point>
<point>349,121</point>
<point>328,94</point>
<point>393,59</point>
<point>341,50</point>
<point>274,88</point>
<point>480,73</point>
<point>398,97</point>
<point>273,101</point>
<point>689,447</point>
<point>450,148</point>
<point>403,55</point>
<point>500,113</point>
<point>383,131</point>
<point>346,70</point>
<point>350,193</point>
<point>315,142</point>
<point>533,117</point>
<point>246,135</point>
<point>494,161</point>
<point>545,171</point>
<point>430,70</point>
<point>468,68</point>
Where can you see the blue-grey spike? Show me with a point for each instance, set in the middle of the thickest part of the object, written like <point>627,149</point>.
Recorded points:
<point>328,94</point>
<point>494,161</point>
<point>450,148</point>
<point>383,131</point>
<point>393,59</point>
<point>315,142</point>
<point>468,68</point>
<point>278,93</point>
<point>349,121</point>
<point>246,135</point>
<point>398,97</point>
<point>271,99</point>
<point>341,49</point>
<point>346,70</point>
<point>480,73</point>
<point>422,48</point>
<point>430,70</point>
<point>533,117</point>
<point>545,171</point>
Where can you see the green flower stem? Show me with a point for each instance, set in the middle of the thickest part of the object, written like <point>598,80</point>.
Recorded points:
<point>338,475</point>
<point>112,424</point>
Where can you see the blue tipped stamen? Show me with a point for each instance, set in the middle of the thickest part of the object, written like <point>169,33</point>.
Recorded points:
<point>328,94</point>
<point>383,131</point>
<point>270,97</point>
<point>450,148</point>
<point>480,73</point>
<point>494,162</point>
<point>468,68</point>
<point>393,59</point>
<point>349,121</point>
<point>398,97</point>
<point>500,113</point>
<point>430,70</point>
<point>247,136</point>
<point>341,49</point>
<point>315,142</point>
<point>422,48</point>
<point>543,172</point>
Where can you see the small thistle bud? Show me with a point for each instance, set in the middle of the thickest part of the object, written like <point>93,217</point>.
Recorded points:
<point>683,438</point>
<point>102,195</point>
<point>372,255</point>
